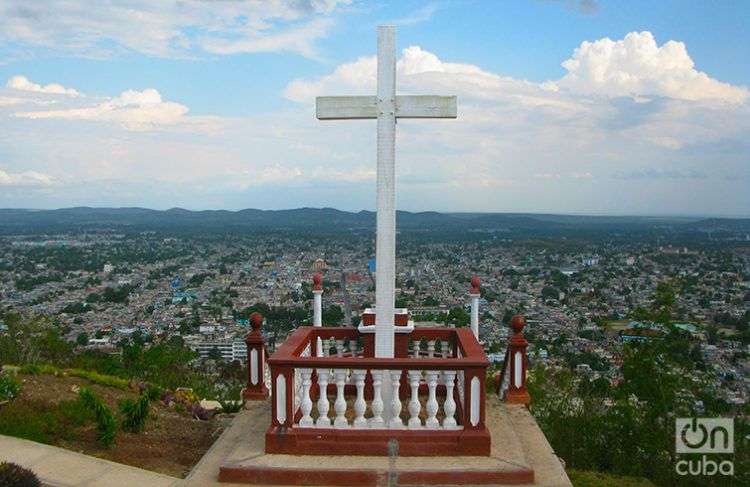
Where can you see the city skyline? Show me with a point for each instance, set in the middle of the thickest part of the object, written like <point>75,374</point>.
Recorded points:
<point>601,109</point>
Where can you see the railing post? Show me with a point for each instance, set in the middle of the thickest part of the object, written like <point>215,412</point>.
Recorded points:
<point>317,300</point>
<point>256,358</point>
<point>517,392</point>
<point>474,391</point>
<point>474,295</point>
<point>282,396</point>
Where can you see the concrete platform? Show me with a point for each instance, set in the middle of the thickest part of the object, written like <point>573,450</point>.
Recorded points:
<point>520,455</point>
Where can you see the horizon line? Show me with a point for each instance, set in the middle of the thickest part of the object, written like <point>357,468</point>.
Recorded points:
<point>484,212</point>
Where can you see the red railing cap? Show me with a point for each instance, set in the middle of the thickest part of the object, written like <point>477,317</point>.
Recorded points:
<point>288,353</point>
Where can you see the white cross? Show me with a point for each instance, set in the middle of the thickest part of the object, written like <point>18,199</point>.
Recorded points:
<point>386,107</point>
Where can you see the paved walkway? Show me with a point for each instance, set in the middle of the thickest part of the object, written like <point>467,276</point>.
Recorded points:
<point>57,467</point>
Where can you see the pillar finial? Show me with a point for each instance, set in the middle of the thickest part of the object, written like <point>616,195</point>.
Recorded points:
<point>256,321</point>
<point>317,282</point>
<point>475,284</point>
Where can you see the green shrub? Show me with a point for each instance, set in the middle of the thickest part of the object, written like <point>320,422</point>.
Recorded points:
<point>10,387</point>
<point>230,400</point>
<point>153,392</point>
<point>230,406</point>
<point>135,412</point>
<point>12,475</point>
<point>105,420</point>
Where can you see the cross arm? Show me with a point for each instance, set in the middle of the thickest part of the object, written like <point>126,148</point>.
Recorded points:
<point>425,106</point>
<point>346,107</point>
<point>366,107</point>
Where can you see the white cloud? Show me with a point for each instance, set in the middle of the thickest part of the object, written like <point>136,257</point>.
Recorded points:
<point>183,28</point>
<point>22,83</point>
<point>516,146</point>
<point>133,110</point>
<point>26,179</point>
<point>422,14</point>
<point>636,65</point>
<point>6,101</point>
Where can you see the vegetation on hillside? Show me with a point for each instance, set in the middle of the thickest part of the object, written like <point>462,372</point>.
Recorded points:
<point>628,428</point>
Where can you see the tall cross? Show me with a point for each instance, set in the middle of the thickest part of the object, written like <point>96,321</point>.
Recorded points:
<point>386,107</point>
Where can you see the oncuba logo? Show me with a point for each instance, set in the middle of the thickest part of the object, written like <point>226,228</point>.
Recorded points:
<point>704,435</point>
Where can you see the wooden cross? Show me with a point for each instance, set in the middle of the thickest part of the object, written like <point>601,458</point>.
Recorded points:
<point>386,107</point>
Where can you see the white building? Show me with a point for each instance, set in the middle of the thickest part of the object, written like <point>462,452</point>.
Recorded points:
<point>229,349</point>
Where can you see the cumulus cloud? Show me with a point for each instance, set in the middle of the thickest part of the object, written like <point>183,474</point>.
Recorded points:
<point>167,28</point>
<point>417,70</point>
<point>22,83</point>
<point>638,66</point>
<point>26,179</point>
<point>132,109</point>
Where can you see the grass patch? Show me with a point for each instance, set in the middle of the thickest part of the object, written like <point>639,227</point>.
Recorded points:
<point>90,375</point>
<point>581,478</point>
<point>43,422</point>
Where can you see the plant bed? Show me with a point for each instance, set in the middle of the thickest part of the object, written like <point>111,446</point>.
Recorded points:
<point>48,410</point>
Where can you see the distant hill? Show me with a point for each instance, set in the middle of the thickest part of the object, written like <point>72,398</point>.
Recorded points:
<point>331,220</point>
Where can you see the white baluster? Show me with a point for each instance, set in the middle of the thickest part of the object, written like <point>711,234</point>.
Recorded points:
<point>319,348</point>
<point>323,421</point>
<point>432,404</point>
<point>444,349</point>
<point>414,405</point>
<point>306,404</point>
<point>395,421</point>
<point>359,404</point>
<point>340,405</point>
<point>353,347</point>
<point>431,348</point>
<point>377,400</point>
<point>339,348</point>
<point>415,348</point>
<point>449,406</point>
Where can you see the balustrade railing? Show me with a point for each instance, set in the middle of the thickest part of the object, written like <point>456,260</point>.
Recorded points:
<point>325,379</point>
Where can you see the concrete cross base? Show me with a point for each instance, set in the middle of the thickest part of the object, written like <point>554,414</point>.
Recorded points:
<point>520,455</point>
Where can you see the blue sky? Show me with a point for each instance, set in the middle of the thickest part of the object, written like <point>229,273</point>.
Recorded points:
<point>209,105</point>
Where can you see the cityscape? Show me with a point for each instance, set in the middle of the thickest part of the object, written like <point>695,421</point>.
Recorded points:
<point>374,243</point>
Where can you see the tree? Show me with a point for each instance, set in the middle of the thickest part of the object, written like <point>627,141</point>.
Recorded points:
<point>32,340</point>
<point>82,339</point>
<point>214,354</point>
<point>549,292</point>
<point>458,317</point>
<point>332,315</point>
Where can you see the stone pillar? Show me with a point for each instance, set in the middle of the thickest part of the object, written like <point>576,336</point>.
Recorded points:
<point>256,358</point>
<point>517,392</point>
<point>317,300</point>
<point>474,295</point>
